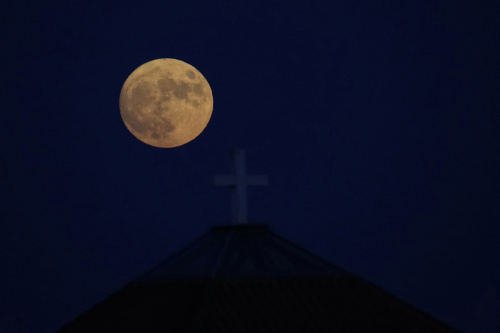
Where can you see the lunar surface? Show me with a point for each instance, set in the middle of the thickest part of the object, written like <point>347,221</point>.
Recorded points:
<point>166,103</point>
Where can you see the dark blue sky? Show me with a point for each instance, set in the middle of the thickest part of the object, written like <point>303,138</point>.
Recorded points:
<point>378,125</point>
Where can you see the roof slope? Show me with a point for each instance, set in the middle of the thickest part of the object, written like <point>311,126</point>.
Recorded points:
<point>239,250</point>
<point>248,279</point>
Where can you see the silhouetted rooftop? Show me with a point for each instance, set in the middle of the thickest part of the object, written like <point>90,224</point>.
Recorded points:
<point>239,250</point>
<point>246,278</point>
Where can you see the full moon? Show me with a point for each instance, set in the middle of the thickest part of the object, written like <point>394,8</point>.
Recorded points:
<point>166,103</point>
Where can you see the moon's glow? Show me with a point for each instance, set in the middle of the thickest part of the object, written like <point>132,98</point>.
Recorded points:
<point>166,103</point>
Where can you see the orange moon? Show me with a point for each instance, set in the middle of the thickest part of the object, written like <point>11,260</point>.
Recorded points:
<point>166,103</point>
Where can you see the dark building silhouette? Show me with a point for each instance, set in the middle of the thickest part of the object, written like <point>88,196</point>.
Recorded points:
<point>246,278</point>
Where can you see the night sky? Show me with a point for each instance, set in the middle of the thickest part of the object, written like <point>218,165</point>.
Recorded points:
<point>377,122</point>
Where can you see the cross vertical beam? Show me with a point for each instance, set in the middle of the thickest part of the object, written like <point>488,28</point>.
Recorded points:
<point>238,183</point>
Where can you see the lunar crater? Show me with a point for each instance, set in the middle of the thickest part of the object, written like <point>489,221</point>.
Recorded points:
<point>182,90</point>
<point>198,89</point>
<point>166,84</point>
<point>142,95</point>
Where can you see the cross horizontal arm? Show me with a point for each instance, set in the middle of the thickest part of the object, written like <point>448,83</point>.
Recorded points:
<point>238,183</point>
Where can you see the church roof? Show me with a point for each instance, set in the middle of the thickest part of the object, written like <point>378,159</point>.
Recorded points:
<point>239,250</point>
<point>246,278</point>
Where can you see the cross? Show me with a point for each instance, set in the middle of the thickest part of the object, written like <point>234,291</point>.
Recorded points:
<point>239,182</point>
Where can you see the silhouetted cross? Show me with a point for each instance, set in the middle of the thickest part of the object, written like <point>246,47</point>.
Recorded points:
<point>239,182</point>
